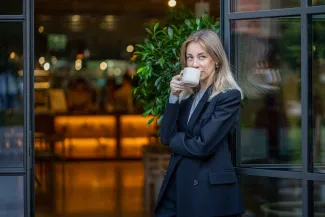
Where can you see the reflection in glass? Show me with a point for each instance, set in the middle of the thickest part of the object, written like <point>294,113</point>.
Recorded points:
<point>257,5</point>
<point>267,57</point>
<point>318,90</point>
<point>264,196</point>
<point>13,7</point>
<point>319,198</point>
<point>318,2</point>
<point>11,95</point>
<point>12,196</point>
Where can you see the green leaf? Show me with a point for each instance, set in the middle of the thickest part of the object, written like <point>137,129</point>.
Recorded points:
<point>161,61</point>
<point>155,27</point>
<point>144,56</point>
<point>151,46</point>
<point>160,119</point>
<point>149,31</point>
<point>155,111</point>
<point>174,51</point>
<point>170,32</point>
<point>158,81</point>
<point>140,69</point>
<point>146,113</point>
<point>149,69</point>
<point>178,64</point>
<point>150,121</point>
<point>137,52</point>
<point>159,44</point>
<point>198,21</point>
<point>148,106</point>
<point>139,45</point>
<point>188,23</point>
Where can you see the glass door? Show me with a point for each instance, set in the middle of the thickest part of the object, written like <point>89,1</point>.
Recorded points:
<point>16,109</point>
<point>277,52</point>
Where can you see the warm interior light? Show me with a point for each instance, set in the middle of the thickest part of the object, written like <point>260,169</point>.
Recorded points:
<point>41,85</point>
<point>130,48</point>
<point>46,66</point>
<point>101,130</point>
<point>80,56</point>
<point>12,55</point>
<point>109,18</point>
<point>75,18</point>
<point>40,73</point>
<point>78,64</point>
<point>41,60</point>
<point>171,3</point>
<point>76,121</point>
<point>41,29</point>
<point>103,66</point>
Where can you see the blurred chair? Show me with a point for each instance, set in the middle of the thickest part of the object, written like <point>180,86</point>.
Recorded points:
<point>155,162</point>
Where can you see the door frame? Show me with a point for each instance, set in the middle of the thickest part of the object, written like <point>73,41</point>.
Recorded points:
<point>306,175</point>
<point>27,171</point>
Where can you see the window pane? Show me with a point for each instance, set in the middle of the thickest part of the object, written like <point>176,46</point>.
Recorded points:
<point>266,54</point>
<point>11,95</point>
<point>257,5</point>
<point>319,198</point>
<point>12,196</point>
<point>265,196</point>
<point>12,7</point>
<point>318,90</point>
<point>318,2</point>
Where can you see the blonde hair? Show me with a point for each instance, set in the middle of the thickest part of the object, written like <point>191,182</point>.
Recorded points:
<point>223,77</point>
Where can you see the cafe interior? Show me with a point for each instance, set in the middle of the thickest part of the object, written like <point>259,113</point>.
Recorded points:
<point>94,153</point>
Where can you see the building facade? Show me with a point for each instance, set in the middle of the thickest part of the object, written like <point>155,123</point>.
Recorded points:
<point>277,51</point>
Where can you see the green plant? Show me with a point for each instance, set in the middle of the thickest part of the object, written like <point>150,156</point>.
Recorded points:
<point>158,60</point>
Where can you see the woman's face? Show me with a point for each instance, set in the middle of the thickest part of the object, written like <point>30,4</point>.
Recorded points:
<point>198,58</point>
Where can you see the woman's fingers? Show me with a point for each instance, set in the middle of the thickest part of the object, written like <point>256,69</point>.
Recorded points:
<point>178,88</point>
<point>177,77</point>
<point>176,84</point>
<point>173,85</point>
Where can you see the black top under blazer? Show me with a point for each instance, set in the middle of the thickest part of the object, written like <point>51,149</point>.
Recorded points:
<point>206,181</point>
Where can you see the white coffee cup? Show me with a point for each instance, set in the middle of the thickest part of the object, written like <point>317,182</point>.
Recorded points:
<point>190,77</point>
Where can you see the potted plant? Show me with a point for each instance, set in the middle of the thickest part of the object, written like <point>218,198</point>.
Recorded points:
<point>158,60</point>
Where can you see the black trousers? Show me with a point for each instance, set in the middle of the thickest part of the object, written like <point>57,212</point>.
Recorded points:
<point>167,206</point>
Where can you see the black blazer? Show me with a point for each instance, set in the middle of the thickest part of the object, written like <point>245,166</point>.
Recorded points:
<point>206,181</point>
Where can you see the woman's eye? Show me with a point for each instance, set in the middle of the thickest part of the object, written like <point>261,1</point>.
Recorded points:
<point>189,58</point>
<point>202,57</point>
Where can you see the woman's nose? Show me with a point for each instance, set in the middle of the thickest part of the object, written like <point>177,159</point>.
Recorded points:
<point>195,63</point>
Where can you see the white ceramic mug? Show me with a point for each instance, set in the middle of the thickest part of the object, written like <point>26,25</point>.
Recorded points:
<point>190,77</point>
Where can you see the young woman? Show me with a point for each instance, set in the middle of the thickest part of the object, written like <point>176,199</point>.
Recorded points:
<point>200,180</point>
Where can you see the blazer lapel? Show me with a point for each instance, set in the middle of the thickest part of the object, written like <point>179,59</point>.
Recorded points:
<point>198,109</point>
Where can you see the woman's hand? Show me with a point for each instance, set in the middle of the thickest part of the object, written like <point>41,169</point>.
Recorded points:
<point>176,85</point>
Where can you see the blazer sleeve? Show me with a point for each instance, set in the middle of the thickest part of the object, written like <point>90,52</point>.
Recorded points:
<point>223,119</point>
<point>168,127</point>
